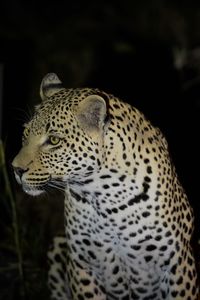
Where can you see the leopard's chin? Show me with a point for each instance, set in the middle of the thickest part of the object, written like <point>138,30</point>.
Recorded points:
<point>33,191</point>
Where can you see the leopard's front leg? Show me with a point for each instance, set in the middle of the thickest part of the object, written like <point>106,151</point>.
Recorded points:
<point>84,283</point>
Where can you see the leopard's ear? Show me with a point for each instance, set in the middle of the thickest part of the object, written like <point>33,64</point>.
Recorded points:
<point>50,85</point>
<point>91,113</point>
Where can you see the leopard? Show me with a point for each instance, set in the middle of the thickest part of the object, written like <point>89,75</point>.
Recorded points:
<point>128,222</point>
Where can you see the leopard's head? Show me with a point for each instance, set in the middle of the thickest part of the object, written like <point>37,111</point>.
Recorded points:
<point>63,141</point>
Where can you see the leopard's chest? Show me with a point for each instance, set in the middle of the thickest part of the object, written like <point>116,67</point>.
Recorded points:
<point>96,235</point>
<point>114,250</point>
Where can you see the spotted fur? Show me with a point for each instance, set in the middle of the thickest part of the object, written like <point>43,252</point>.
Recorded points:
<point>128,223</point>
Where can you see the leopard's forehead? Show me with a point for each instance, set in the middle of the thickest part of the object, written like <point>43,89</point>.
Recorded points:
<point>58,108</point>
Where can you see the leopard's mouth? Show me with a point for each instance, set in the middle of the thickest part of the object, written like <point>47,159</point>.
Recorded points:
<point>41,187</point>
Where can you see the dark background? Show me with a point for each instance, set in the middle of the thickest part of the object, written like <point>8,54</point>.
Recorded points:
<point>146,52</point>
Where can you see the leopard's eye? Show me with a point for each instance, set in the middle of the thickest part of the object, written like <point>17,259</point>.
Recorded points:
<point>26,132</point>
<point>54,140</point>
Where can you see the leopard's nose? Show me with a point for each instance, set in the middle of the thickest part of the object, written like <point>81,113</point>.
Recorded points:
<point>20,171</point>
